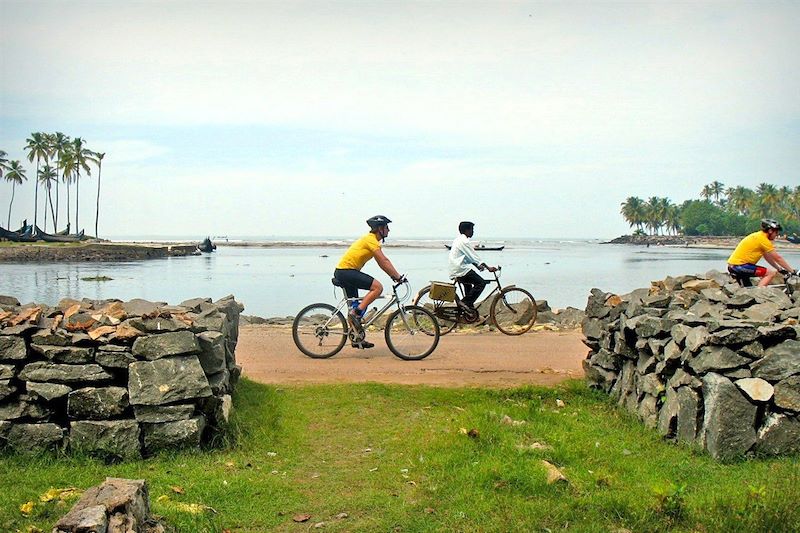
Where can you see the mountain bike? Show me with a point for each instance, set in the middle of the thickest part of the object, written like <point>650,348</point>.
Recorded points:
<point>512,310</point>
<point>412,333</point>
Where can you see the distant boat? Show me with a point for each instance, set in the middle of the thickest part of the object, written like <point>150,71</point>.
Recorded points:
<point>24,234</point>
<point>57,237</point>
<point>484,248</point>
<point>793,239</point>
<point>207,246</point>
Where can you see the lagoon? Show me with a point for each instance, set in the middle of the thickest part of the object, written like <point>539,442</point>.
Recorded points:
<point>279,281</point>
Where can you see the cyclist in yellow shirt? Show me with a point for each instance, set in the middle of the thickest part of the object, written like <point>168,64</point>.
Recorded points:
<point>348,271</point>
<point>742,262</point>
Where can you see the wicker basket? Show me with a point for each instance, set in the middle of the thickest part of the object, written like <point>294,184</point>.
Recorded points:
<point>445,292</point>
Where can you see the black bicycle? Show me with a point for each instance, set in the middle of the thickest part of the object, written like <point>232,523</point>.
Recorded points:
<point>511,309</point>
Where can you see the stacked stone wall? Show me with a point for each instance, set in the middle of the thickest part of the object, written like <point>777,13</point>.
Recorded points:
<point>702,361</point>
<point>113,378</point>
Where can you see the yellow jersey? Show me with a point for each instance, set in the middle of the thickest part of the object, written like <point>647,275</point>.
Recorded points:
<point>360,252</point>
<point>751,249</point>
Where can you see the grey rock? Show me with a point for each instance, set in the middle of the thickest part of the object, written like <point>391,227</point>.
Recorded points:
<point>212,351</point>
<point>217,409</point>
<point>712,358</point>
<point>697,338</point>
<point>678,332</point>
<point>166,344</point>
<point>163,413</point>
<point>113,359</point>
<point>139,307</point>
<point>65,354</point>
<point>787,394</point>
<point>777,333</point>
<point>672,351</point>
<point>625,383</point>
<point>45,337</point>
<point>597,377</point>
<point>648,411</point>
<point>118,438</point>
<point>593,328</point>
<point>668,415</point>
<point>656,347</point>
<point>707,310</point>
<point>179,434</point>
<point>47,391</point>
<point>738,373</point>
<point>159,324</point>
<point>89,518</point>
<point>603,359</point>
<point>729,420</point>
<point>7,371</point>
<point>715,295</point>
<point>733,336</point>
<point>220,382</point>
<point>682,378</point>
<point>779,362</point>
<point>22,329</point>
<point>60,373</point>
<point>121,504</point>
<point>779,435</point>
<point>9,301</point>
<point>659,301</point>
<point>12,348</point>
<point>651,384</point>
<point>35,438</point>
<point>741,300</point>
<point>167,380</point>
<point>771,295</point>
<point>650,326</point>
<point>213,321</point>
<point>754,350</point>
<point>195,303</point>
<point>689,419</point>
<point>756,389</point>
<point>22,407</point>
<point>97,403</point>
<point>766,311</point>
<point>646,364</point>
<point>6,388</point>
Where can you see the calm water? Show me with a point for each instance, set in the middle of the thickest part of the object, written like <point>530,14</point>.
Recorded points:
<point>280,281</point>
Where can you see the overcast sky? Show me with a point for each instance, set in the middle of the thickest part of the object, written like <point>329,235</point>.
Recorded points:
<point>534,119</point>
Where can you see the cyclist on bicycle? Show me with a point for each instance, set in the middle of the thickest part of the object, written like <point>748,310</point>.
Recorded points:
<point>348,271</point>
<point>462,259</point>
<point>742,262</point>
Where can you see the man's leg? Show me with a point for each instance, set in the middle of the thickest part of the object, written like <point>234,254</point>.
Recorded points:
<point>766,278</point>
<point>477,284</point>
<point>375,290</point>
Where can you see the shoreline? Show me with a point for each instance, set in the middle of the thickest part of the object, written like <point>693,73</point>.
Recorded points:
<point>92,251</point>
<point>684,241</point>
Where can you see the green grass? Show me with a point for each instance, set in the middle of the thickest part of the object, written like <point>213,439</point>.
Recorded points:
<point>394,459</point>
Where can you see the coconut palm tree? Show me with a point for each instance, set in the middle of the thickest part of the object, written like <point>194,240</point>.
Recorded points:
<point>632,210</point>
<point>741,200</point>
<point>47,175</point>
<point>715,189</point>
<point>3,162</point>
<point>77,158</point>
<point>768,198</point>
<point>16,175</point>
<point>654,209</point>
<point>673,218</point>
<point>98,159</point>
<point>37,148</point>
<point>58,145</point>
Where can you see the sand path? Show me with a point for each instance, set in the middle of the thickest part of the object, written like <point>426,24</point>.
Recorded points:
<point>268,355</point>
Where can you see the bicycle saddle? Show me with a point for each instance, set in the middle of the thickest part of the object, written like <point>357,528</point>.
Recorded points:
<point>336,282</point>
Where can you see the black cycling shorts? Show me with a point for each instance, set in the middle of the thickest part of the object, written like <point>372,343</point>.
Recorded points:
<point>352,280</point>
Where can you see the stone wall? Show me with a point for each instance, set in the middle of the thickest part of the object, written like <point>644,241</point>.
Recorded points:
<point>702,360</point>
<point>116,379</point>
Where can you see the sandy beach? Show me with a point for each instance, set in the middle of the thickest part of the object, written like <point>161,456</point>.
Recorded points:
<point>268,355</point>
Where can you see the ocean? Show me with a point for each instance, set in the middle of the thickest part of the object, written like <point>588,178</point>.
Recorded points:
<point>281,280</point>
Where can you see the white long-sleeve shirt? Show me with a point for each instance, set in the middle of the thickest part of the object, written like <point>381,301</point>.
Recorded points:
<point>462,256</point>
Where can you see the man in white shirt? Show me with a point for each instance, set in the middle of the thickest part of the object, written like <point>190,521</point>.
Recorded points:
<point>462,259</point>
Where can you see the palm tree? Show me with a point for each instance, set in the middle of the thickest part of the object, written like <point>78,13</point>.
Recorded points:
<point>98,159</point>
<point>3,162</point>
<point>740,199</point>
<point>47,175</point>
<point>58,145</point>
<point>707,193</point>
<point>16,175</point>
<point>36,147</point>
<point>77,158</point>
<point>654,209</point>
<point>767,198</point>
<point>715,189</point>
<point>673,218</point>
<point>632,210</point>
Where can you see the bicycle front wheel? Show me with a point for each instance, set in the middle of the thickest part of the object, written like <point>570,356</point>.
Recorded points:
<point>412,333</point>
<point>445,312</point>
<point>319,331</point>
<point>513,311</point>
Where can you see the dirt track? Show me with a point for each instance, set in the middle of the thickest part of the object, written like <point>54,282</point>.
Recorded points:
<point>268,355</point>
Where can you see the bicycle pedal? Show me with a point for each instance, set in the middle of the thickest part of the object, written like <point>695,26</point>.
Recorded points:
<point>362,345</point>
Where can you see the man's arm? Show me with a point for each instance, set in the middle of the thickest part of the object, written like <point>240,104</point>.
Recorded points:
<point>776,260</point>
<point>386,265</point>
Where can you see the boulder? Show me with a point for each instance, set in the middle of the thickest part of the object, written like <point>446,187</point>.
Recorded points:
<point>167,380</point>
<point>61,373</point>
<point>212,351</point>
<point>154,347</point>
<point>756,389</point>
<point>598,377</point>
<point>12,348</point>
<point>715,358</point>
<point>689,418</point>
<point>766,311</point>
<point>34,438</point>
<point>648,411</point>
<point>97,403</point>
<point>732,336</point>
<point>696,338</point>
<point>139,307</point>
<point>116,506</point>
<point>779,362</point>
<point>178,434</point>
<point>787,394</point>
<point>779,435</point>
<point>47,391</point>
<point>116,438</point>
<point>729,420</point>
<point>668,415</point>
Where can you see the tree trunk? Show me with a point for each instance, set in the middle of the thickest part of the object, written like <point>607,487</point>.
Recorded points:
<point>56,217</point>
<point>13,190</point>
<point>36,195</point>
<point>77,200</point>
<point>97,207</point>
<point>52,211</point>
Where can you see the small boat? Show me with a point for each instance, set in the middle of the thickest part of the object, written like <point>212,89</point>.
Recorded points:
<point>18,236</point>
<point>64,231</point>
<point>484,248</point>
<point>49,237</point>
<point>207,246</point>
<point>794,239</point>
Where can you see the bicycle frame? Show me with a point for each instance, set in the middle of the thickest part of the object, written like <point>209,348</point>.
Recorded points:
<point>345,302</point>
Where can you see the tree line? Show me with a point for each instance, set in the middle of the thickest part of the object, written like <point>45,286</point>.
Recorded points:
<point>59,159</point>
<point>719,211</point>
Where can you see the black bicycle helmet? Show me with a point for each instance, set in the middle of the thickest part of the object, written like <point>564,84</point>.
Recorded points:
<point>378,221</point>
<point>768,224</point>
<point>465,225</point>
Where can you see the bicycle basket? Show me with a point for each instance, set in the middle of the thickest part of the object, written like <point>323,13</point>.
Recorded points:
<point>443,291</point>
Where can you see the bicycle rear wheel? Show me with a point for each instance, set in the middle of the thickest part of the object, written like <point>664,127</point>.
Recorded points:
<point>412,333</point>
<point>513,311</point>
<point>445,312</point>
<point>319,331</point>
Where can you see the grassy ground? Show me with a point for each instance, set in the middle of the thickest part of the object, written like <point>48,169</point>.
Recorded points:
<point>397,458</point>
